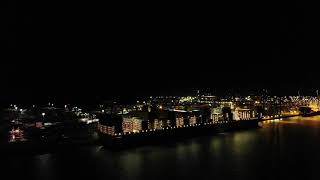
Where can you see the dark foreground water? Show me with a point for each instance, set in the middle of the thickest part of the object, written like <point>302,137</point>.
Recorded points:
<point>287,149</point>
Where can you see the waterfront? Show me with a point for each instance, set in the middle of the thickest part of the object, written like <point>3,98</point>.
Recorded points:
<point>278,150</point>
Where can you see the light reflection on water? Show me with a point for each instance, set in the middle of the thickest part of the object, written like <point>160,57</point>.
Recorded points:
<point>280,149</point>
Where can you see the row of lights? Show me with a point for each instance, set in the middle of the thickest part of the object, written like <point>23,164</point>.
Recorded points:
<point>271,116</point>
<point>272,120</point>
<point>174,127</point>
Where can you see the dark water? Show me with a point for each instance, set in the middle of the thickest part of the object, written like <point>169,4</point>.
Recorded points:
<point>288,149</point>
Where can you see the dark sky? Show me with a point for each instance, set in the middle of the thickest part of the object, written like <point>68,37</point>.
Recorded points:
<point>60,49</point>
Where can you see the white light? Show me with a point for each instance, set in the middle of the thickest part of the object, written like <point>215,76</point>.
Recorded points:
<point>47,124</point>
<point>43,114</point>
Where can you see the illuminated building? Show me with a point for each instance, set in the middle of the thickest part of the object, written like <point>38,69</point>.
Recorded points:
<point>179,121</point>
<point>197,115</point>
<point>158,119</point>
<point>127,125</point>
<point>163,119</point>
<point>216,114</point>
<point>110,130</point>
<point>137,124</point>
<point>207,99</point>
<point>88,120</point>
<point>134,124</point>
<point>243,114</point>
<point>193,119</point>
<point>157,124</point>
<point>178,117</point>
<point>110,124</point>
<point>16,135</point>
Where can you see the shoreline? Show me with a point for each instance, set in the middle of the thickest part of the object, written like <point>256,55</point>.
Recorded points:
<point>136,139</point>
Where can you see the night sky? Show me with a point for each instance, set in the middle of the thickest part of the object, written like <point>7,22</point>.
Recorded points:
<point>77,50</point>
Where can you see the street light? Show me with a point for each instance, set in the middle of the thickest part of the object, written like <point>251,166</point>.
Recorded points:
<point>43,114</point>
